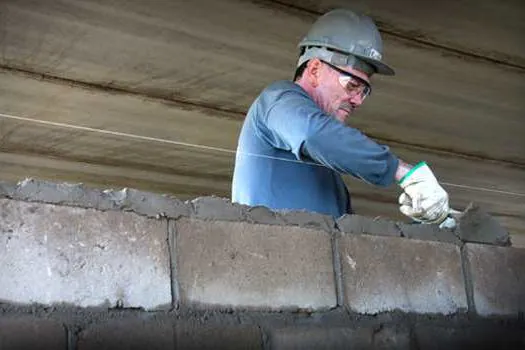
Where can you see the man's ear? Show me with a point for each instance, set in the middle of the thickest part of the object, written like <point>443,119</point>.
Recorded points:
<point>313,71</point>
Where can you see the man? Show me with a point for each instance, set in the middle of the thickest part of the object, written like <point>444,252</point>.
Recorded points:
<point>294,144</point>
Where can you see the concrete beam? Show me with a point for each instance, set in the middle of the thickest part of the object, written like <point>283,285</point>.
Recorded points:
<point>174,53</point>
<point>446,26</point>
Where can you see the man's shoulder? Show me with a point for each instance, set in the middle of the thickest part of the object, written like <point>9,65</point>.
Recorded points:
<point>283,86</point>
<point>281,91</point>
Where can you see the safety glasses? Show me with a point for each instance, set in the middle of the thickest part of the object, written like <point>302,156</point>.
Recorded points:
<point>353,84</point>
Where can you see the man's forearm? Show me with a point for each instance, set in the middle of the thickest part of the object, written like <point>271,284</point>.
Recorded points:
<point>402,169</point>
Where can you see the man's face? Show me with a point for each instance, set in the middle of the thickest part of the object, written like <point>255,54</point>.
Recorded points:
<point>340,94</point>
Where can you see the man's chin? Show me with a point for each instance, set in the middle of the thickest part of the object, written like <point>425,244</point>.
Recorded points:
<point>342,115</point>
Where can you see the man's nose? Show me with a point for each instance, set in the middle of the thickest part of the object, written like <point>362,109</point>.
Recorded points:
<point>357,100</point>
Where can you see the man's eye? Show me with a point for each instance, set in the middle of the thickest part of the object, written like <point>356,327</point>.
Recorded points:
<point>354,85</point>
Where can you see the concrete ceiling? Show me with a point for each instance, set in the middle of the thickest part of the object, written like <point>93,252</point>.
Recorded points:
<point>160,73</point>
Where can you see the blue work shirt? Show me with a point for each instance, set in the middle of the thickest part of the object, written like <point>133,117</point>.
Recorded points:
<point>291,155</point>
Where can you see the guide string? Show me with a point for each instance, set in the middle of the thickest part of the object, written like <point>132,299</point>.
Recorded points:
<point>215,149</point>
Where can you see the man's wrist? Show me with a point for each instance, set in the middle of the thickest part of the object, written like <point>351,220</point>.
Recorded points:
<point>402,170</point>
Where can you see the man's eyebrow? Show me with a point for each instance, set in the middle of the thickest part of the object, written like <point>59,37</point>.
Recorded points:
<point>352,75</point>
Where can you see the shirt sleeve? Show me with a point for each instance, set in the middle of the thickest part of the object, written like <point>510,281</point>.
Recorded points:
<point>296,124</point>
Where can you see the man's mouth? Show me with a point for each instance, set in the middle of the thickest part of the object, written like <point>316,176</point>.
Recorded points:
<point>347,108</point>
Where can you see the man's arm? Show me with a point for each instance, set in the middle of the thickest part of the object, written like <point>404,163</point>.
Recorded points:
<point>297,124</point>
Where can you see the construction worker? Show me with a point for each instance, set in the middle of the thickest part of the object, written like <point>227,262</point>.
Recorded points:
<point>295,143</point>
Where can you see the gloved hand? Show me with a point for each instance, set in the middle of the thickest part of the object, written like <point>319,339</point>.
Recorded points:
<point>423,199</point>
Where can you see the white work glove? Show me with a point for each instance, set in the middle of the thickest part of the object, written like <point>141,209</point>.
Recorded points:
<point>423,199</point>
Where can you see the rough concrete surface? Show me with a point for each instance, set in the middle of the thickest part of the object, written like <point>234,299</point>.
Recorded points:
<point>215,208</point>
<point>78,195</point>
<point>251,265</point>
<point>7,189</point>
<point>381,274</point>
<point>156,205</point>
<point>365,225</point>
<point>334,338</point>
<point>444,24</point>
<point>81,37</point>
<point>313,338</point>
<point>498,279</point>
<point>150,204</point>
<point>263,215</point>
<point>309,220</point>
<point>65,253</point>
<point>187,328</point>
<point>194,336</point>
<point>477,226</point>
<point>128,333</point>
<point>391,337</point>
<point>429,233</point>
<point>467,337</point>
<point>62,194</point>
<point>518,241</point>
<point>53,254</point>
<point>164,332</point>
<point>27,332</point>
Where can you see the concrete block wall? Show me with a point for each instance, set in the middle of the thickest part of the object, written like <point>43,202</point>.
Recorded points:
<point>83,268</point>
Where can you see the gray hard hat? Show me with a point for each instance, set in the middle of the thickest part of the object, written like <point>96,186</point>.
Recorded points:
<point>343,37</point>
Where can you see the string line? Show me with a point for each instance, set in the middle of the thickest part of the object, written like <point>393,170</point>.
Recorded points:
<point>216,149</point>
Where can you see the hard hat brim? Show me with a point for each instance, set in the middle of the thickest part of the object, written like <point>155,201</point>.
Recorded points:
<point>380,67</point>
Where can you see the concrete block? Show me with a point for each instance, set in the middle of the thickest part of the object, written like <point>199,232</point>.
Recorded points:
<point>428,233</point>
<point>244,265</point>
<point>498,279</point>
<point>468,337</point>
<point>319,338</point>
<point>383,274</point>
<point>128,333</point>
<point>365,225</point>
<point>190,335</point>
<point>27,332</point>
<point>53,254</point>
